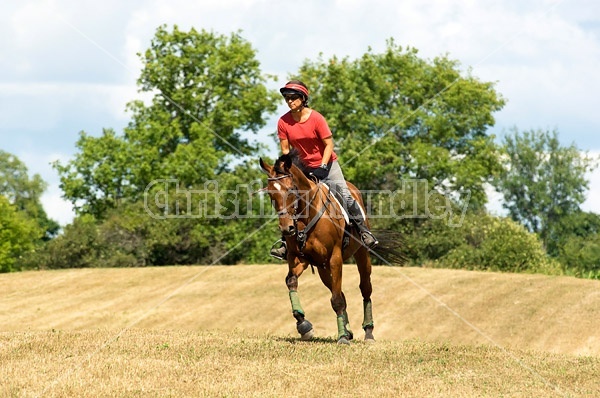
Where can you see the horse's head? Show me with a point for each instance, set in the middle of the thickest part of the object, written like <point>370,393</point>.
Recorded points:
<point>287,186</point>
<point>283,192</point>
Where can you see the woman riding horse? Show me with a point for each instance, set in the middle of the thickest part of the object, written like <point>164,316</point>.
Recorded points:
<point>316,235</point>
<point>307,131</point>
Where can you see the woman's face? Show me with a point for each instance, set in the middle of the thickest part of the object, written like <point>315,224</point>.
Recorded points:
<point>294,101</point>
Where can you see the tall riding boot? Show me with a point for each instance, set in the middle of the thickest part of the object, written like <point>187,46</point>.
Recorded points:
<point>281,251</point>
<point>358,220</point>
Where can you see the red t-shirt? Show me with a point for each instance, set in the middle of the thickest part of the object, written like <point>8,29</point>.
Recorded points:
<point>306,137</point>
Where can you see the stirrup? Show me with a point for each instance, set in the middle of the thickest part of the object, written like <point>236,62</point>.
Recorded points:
<point>279,253</point>
<point>365,235</point>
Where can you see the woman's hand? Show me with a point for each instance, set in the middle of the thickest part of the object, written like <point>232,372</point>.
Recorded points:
<point>322,172</point>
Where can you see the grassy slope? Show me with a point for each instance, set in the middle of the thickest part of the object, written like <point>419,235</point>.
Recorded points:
<point>159,363</point>
<point>556,314</point>
<point>228,331</point>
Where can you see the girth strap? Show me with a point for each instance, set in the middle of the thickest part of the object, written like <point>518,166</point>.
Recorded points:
<point>303,234</point>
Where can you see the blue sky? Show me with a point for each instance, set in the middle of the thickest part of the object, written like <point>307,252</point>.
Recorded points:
<point>68,66</point>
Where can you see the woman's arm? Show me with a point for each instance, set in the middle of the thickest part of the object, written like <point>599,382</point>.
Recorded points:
<point>285,146</point>
<point>328,149</point>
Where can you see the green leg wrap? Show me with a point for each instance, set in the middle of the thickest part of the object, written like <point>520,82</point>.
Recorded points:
<point>346,317</point>
<point>368,314</point>
<point>347,322</point>
<point>295,300</point>
<point>341,324</point>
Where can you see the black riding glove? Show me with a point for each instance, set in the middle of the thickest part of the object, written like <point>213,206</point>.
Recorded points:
<point>322,172</point>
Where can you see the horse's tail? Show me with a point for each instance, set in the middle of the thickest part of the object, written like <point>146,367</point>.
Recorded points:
<point>389,250</point>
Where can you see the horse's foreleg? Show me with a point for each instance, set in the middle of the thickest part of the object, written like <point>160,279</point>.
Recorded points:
<point>303,326</point>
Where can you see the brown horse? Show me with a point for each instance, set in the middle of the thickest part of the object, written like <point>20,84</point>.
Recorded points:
<point>313,225</point>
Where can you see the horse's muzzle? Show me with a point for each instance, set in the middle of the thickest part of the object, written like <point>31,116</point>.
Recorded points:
<point>289,231</point>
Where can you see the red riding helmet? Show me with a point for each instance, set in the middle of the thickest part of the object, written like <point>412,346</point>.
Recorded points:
<point>295,87</point>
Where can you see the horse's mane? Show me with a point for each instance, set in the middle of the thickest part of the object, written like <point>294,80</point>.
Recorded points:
<point>292,156</point>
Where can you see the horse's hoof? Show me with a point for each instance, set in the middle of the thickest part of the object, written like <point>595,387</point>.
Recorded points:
<point>369,338</point>
<point>343,340</point>
<point>308,335</point>
<point>304,327</point>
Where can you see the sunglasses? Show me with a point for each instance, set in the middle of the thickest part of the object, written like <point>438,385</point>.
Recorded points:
<point>292,97</point>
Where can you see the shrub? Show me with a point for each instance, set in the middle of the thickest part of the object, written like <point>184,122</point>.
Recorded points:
<point>580,256</point>
<point>77,247</point>
<point>498,244</point>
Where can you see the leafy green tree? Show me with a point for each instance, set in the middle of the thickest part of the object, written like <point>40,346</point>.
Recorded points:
<point>207,90</point>
<point>577,224</point>
<point>581,256</point>
<point>207,79</point>
<point>396,116</point>
<point>25,192</point>
<point>575,242</point>
<point>543,181</point>
<point>18,235</point>
<point>98,178</point>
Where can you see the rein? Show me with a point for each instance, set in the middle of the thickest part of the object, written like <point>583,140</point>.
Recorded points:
<point>302,235</point>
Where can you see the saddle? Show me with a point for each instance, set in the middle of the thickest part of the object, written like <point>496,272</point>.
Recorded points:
<point>348,225</point>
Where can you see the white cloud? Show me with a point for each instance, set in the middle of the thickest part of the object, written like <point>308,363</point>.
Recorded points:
<point>495,201</point>
<point>43,106</point>
<point>56,207</point>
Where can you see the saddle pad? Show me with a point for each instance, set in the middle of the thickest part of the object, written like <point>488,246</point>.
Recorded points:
<point>346,217</point>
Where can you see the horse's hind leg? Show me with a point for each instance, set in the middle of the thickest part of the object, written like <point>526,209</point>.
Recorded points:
<point>338,301</point>
<point>303,326</point>
<point>325,275</point>
<point>363,261</point>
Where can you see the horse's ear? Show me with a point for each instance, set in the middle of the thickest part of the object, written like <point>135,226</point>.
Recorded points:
<point>267,168</point>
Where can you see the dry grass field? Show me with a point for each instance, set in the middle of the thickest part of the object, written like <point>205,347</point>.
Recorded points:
<point>228,332</point>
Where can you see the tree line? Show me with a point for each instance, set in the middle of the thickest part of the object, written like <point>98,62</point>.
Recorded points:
<point>412,133</point>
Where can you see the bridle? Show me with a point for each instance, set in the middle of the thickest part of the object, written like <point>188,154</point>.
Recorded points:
<point>302,234</point>
<point>294,190</point>
<point>279,177</point>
